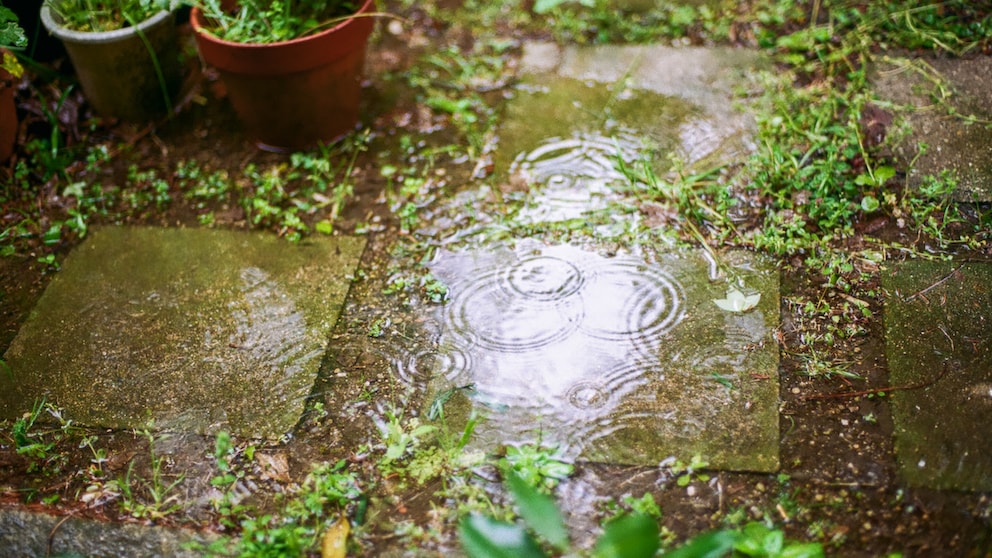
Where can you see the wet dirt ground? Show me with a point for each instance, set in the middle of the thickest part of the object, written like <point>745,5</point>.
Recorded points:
<point>837,483</point>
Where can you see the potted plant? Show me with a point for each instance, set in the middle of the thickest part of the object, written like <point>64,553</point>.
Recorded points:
<point>292,69</point>
<point>125,52</point>
<point>11,36</point>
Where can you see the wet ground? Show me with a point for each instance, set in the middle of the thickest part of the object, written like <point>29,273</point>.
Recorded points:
<point>832,474</point>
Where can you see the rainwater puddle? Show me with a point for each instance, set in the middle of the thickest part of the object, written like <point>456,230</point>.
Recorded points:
<point>577,174</point>
<point>612,358</point>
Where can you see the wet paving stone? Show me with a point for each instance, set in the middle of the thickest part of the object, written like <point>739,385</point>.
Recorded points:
<point>614,359</point>
<point>29,535</point>
<point>938,336</point>
<point>187,329</point>
<point>962,145</point>
<point>689,96</point>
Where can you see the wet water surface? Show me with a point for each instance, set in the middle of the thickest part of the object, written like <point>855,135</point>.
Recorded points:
<point>613,358</point>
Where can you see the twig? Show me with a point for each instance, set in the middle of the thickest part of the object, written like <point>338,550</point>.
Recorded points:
<point>935,285</point>
<point>889,389</point>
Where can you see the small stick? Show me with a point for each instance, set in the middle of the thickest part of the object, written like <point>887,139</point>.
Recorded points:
<point>935,285</point>
<point>860,393</point>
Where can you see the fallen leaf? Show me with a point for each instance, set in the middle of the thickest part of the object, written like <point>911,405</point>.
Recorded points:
<point>737,301</point>
<point>335,543</point>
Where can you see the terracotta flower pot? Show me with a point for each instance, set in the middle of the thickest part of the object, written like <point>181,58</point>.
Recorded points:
<point>8,114</point>
<point>117,70</point>
<point>293,94</point>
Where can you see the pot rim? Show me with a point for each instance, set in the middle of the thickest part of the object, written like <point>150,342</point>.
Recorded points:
<point>196,16</point>
<point>49,19</point>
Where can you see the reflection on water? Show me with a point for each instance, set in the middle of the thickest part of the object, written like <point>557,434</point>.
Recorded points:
<point>575,172</point>
<point>566,345</point>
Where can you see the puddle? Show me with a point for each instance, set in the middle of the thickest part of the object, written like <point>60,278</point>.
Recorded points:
<point>614,359</point>
<point>187,329</point>
<point>938,332</point>
<point>576,174</point>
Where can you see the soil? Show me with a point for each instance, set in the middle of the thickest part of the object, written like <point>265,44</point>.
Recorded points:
<point>837,482</point>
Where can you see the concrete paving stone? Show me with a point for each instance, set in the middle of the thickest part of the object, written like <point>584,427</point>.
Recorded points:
<point>30,535</point>
<point>615,359</point>
<point>938,334</point>
<point>580,108</point>
<point>953,144</point>
<point>182,329</point>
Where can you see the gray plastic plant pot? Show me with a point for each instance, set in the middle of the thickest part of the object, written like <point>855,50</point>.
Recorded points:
<point>131,73</point>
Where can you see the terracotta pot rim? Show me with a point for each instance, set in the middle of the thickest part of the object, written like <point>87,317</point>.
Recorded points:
<point>196,17</point>
<point>49,19</point>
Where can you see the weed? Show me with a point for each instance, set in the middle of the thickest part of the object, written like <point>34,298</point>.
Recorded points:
<point>378,327</point>
<point>308,514</point>
<point>152,498</point>
<point>686,473</point>
<point>629,536</point>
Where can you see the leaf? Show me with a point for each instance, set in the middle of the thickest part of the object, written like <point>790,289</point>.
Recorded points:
<point>869,204</point>
<point>803,550</point>
<point>715,544</point>
<point>335,542</point>
<point>883,174</point>
<point>631,536</point>
<point>538,511</point>
<point>737,301</point>
<point>485,537</point>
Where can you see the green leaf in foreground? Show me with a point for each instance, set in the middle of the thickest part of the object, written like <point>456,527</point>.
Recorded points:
<point>716,544</point>
<point>538,511</point>
<point>631,536</point>
<point>485,537</point>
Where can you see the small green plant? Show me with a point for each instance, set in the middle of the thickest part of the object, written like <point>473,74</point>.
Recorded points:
<point>153,498</point>
<point>539,466</point>
<point>268,21</point>
<point>105,15</point>
<point>686,474</point>
<point>754,540</point>
<point>29,443</point>
<point>228,505</point>
<point>11,36</point>
<point>319,506</point>
<point>543,531</point>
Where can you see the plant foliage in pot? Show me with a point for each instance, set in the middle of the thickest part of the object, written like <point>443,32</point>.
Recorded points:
<point>292,68</point>
<point>125,52</point>
<point>11,36</point>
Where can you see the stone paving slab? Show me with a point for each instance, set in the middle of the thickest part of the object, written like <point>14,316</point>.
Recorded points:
<point>701,84</point>
<point>938,321</point>
<point>579,109</point>
<point>187,329</point>
<point>31,535</point>
<point>615,359</point>
<point>952,143</point>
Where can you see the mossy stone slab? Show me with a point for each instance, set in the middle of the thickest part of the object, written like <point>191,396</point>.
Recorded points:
<point>614,359</point>
<point>578,111</point>
<point>954,144</point>
<point>29,535</point>
<point>938,322</point>
<point>189,329</point>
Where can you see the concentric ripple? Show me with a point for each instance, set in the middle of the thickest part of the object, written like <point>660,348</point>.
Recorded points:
<point>430,364</point>
<point>559,162</point>
<point>543,278</point>
<point>626,299</point>
<point>485,315</point>
<point>605,392</point>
